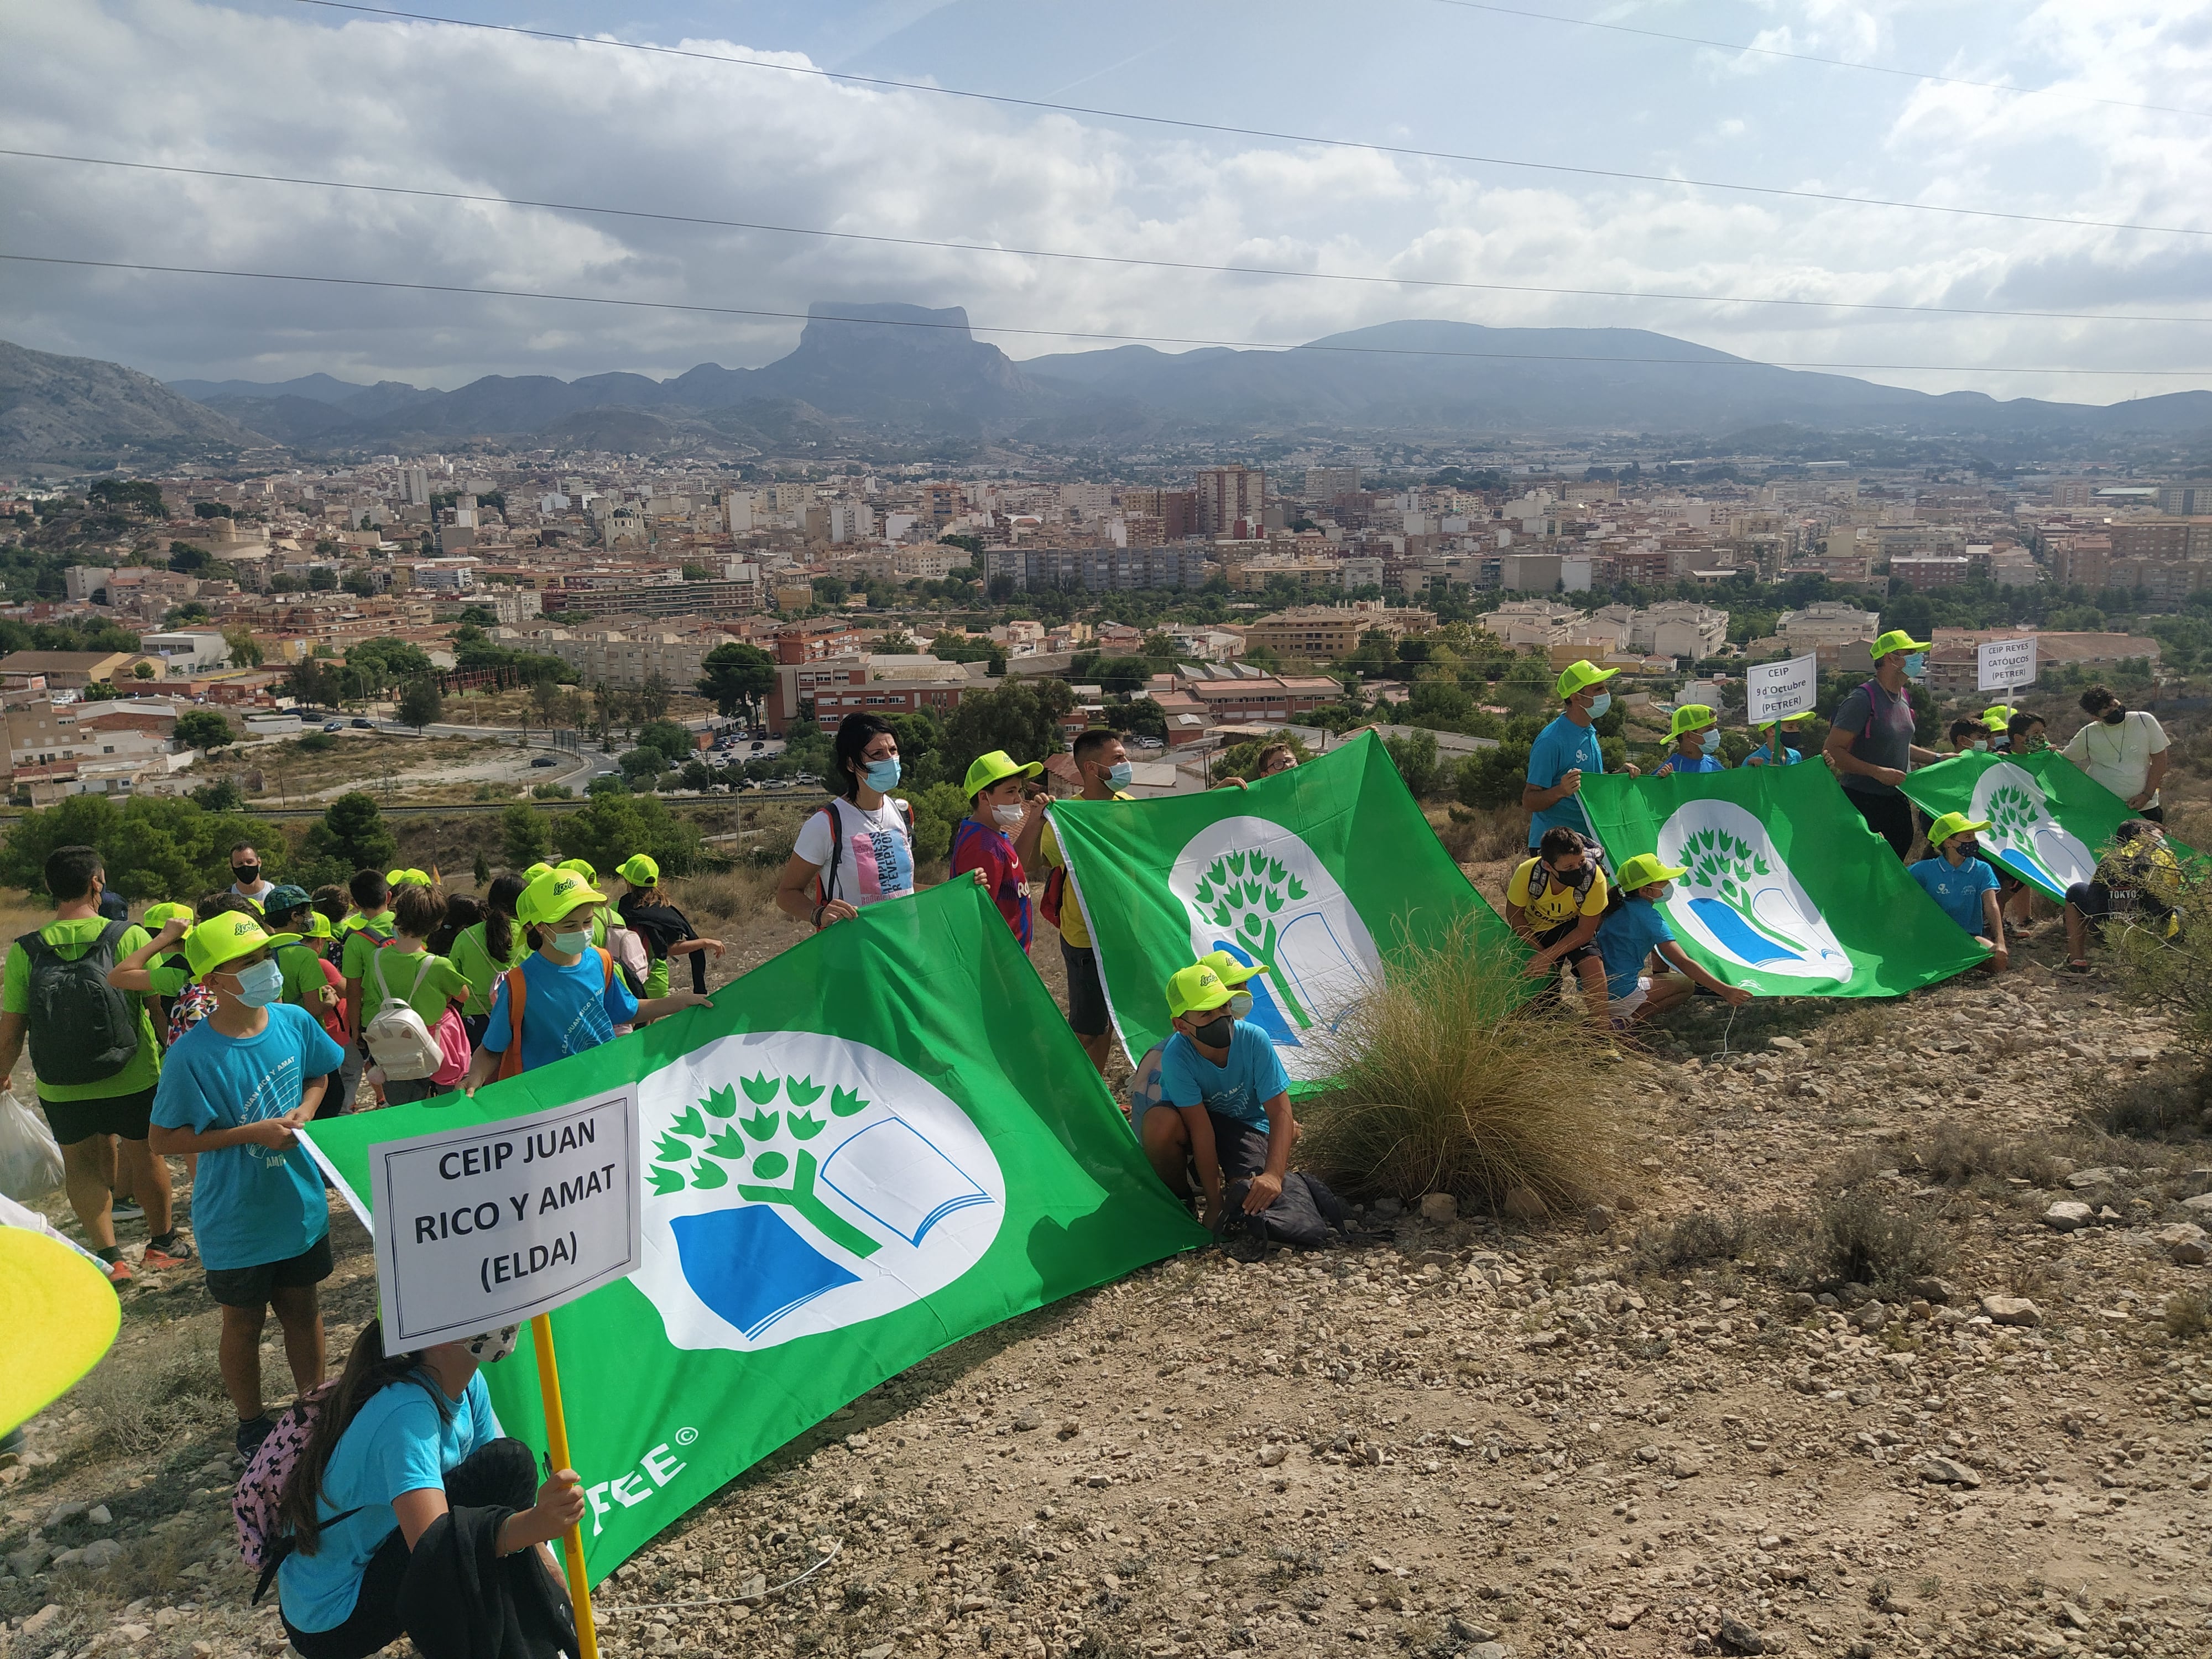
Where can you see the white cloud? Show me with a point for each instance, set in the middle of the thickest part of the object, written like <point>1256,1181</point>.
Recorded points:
<point>476,113</point>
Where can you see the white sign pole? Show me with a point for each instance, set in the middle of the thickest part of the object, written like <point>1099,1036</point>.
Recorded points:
<point>1775,690</point>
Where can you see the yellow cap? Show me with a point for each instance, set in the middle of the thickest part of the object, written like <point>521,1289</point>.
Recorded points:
<point>1579,676</point>
<point>1231,972</point>
<point>579,867</point>
<point>61,1316</point>
<point>988,770</point>
<point>1690,717</point>
<point>536,871</point>
<point>222,938</point>
<point>408,879</point>
<point>1194,990</point>
<point>318,924</point>
<point>638,870</point>
<point>1896,640</point>
<point>1643,869</point>
<point>1950,825</point>
<point>552,895</point>
<point>1998,716</point>
<point>159,916</point>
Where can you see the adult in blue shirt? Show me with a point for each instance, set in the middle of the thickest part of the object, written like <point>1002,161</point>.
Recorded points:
<point>1696,745</point>
<point>236,1089</point>
<point>402,1439</point>
<point>1564,749</point>
<point>1963,886</point>
<point>573,996</point>
<point>1227,1087</point>
<point>1776,750</point>
<point>1635,926</point>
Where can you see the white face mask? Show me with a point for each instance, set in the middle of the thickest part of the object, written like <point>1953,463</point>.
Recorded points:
<point>1009,818</point>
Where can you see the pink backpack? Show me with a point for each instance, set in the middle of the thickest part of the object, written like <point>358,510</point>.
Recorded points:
<point>262,1538</point>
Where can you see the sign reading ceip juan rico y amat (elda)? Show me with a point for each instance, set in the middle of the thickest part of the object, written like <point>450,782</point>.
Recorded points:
<point>491,1224</point>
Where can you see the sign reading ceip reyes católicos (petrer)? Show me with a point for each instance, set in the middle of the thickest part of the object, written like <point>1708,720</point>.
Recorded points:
<point>490,1224</point>
<point>2004,664</point>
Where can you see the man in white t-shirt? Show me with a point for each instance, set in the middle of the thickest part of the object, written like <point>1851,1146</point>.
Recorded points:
<point>859,849</point>
<point>2124,749</point>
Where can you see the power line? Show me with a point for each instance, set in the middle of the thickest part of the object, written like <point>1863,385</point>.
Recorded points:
<point>1671,181</point>
<point>1827,62</point>
<point>1130,260</point>
<point>1077,334</point>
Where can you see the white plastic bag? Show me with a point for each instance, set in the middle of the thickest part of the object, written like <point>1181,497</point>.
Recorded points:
<point>30,1157</point>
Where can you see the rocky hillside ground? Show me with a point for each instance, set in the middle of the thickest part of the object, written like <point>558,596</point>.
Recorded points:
<point>1835,1370</point>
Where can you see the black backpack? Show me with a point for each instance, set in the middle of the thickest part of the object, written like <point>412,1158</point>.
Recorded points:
<point>81,1028</point>
<point>1306,1214</point>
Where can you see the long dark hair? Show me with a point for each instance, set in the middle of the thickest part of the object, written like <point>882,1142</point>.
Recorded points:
<point>368,1371</point>
<point>854,733</point>
<point>499,916</point>
<point>461,911</point>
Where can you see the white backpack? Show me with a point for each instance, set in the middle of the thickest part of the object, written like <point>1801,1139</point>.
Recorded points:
<point>397,1039</point>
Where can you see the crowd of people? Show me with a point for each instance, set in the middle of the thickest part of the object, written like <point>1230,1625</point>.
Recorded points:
<point>1558,900</point>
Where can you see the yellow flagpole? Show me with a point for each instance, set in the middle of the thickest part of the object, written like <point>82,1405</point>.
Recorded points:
<point>556,1443</point>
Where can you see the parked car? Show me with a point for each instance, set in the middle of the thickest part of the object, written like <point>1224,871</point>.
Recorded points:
<point>544,760</point>
<point>360,725</point>
<point>804,777</point>
<point>333,725</point>
<point>760,743</point>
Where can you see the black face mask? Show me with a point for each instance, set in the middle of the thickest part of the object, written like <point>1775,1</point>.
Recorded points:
<point>2114,714</point>
<point>1218,1033</point>
<point>247,874</point>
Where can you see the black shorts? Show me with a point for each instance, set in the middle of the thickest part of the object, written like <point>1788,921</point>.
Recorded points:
<point>1086,994</point>
<point>127,1115</point>
<point>1586,951</point>
<point>250,1287</point>
<point>1889,816</point>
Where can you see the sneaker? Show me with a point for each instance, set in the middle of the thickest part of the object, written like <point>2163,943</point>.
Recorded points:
<point>252,1434</point>
<point>118,1270</point>
<point>124,1210</point>
<point>172,1250</point>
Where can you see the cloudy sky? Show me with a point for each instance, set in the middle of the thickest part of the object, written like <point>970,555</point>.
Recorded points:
<point>279,86</point>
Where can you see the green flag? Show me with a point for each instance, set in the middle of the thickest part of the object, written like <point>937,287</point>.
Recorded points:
<point>1314,873</point>
<point>2047,816</point>
<point>1789,893</point>
<point>884,1141</point>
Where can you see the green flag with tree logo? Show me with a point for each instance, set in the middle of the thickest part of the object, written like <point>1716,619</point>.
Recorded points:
<point>1315,873</point>
<point>2048,818</point>
<point>1788,892</point>
<point>882,1141</point>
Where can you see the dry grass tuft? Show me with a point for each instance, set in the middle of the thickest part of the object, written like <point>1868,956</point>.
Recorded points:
<point>1448,1082</point>
<point>1859,1240</point>
<point>1474,835</point>
<point>151,1395</point>
<point>739,895</point>
<point>1953,1156</point>
<point>2187,1314</point>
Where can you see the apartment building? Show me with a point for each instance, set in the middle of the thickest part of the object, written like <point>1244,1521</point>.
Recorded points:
<point>862,683</point>
<point>1322,633</point>
<point>1827,621</point>
<point>1097,569</point>
<point>626,658</point>
<point>1230,496</point>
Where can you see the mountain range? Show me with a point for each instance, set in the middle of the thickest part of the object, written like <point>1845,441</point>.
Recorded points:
<point>890,366</point>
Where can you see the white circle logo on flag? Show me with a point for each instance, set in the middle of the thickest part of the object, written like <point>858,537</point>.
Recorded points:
<point>797,1183</point>
<point>1255,889</point>
<point>2022,835</point>
<point>1739,901</point>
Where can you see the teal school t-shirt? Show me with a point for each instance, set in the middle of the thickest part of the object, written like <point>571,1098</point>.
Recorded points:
<point>1240,1087</point>
<point>251,1204</point>
<point>565,1010</point>
<point>399,1442</point>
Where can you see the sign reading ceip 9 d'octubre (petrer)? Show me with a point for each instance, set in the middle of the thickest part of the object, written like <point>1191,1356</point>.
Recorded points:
<point>491,1225</point>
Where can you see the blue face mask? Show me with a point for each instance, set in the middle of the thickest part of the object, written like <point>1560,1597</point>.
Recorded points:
<point>1915,664</point>
<point>261,984</point>
<point>882,775</point>
<point>1599,703</point>
<point>1118,774</point>
<point>572,945</point>
<point>1711,743</point>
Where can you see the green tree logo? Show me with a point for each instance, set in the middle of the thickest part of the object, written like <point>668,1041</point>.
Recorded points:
<point>766,1146</point>
<point>2014,813</point>
<point>1242,893</point>
<point>1724,864</point>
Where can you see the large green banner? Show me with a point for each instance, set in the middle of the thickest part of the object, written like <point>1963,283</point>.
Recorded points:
<point>1316,873</point>
<point>883,1141</point>
<point>2047,817</point>
<point>1789,893</point>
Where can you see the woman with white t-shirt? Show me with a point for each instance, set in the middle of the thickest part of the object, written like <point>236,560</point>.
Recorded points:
<point>859,849</point>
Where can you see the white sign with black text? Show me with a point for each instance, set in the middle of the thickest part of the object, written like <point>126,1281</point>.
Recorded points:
<point>493,1224</point>
<point>1775,691</point>
<point>2004,664</point>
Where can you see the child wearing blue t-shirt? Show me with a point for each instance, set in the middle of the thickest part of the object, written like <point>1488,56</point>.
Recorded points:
<point>1776,749</point>
<point>1963,887</point>
<point>1696,745</point>
<point>402,1440</point>
<point>1635,926</point>
<point>1232,1116</point>
<point>235,1089</point>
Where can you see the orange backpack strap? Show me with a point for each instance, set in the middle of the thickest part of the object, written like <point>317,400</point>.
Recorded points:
<point>517,987</point>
